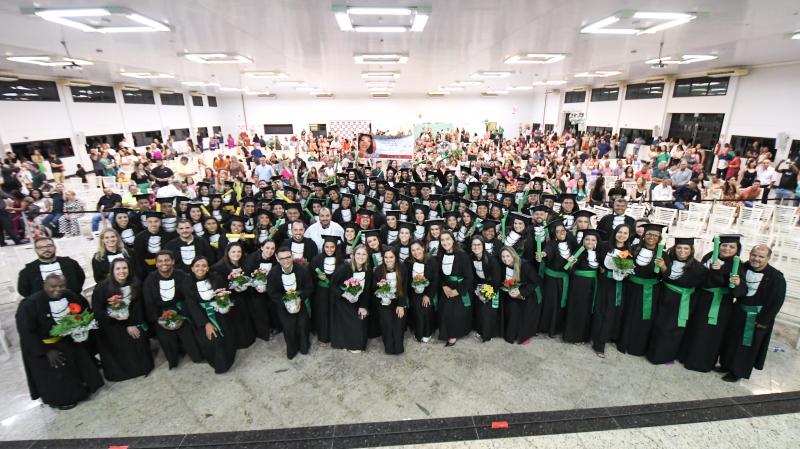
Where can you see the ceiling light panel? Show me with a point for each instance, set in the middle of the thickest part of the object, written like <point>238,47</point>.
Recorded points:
<point>796,35</point>
<point>268,74</point>
<point>411,19</point>
<point>438,93</point>
<point>597,74</point>
<point>638,22</point>
<point>380,58</point>
<point>217,58</point>
<point>115,19</point>
<point>535,58</point>
<point>491,74</point>
<point>380,75</point>
<point>50,61</point>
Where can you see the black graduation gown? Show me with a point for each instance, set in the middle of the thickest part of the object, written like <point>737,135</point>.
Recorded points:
<point>339,217</point>
<point>553,312</point>
<point>492,248</point>
<point>307,252</point>
<point>392,328</point>
<point>634,331</point>
<point>606,225</point>
<point>61,386</point>
<point>455,316</point>
<point>127,235</point>
<point>403,251</point>
<point>219,352</point>
<point>737,357</point>
<point>581,299</point>
<point>703,338</point>
<point>348,330</point>
<point>241,314</point>
<point>521,315</point>
<point>487,320</point>
<point>667,332</point>
<point>295,326</point>
<point>608,307</point>
<point>264,312</point>
<point>123,356</point>
<point>320,300</point>
<point>31,278</point>
<point>101,267</point>
<point>173,342</point>
<point>422,320</point>
<point>373,320</point>
<point>185,253</point>
<point>218,242</point>
<point>144,257</point>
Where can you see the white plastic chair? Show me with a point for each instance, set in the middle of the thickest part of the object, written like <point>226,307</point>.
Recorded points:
<point>663,216</point>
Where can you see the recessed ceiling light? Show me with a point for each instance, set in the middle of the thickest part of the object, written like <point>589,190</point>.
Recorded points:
<point>71,18</point>
<point>438,93</point>
<point>535,58</point>
<point>417,18</point>
<point>685,59</point>
<point>653,22</point>
<point>147,75</point>
<point>380,58</point>
<point>380,75</point>
<point>199,84</point>
<point>232,89</point>
<point>466,83</point>
<point>549,83</point>
<point>288,83</point>
<point>269,74</point>
<point>520,88</point>
<point>598,73</point>
<point>217,58</point>
<point>49,61</point>
<point>491,74</point>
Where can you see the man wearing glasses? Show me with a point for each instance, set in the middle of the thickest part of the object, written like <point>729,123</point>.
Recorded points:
<point>31,278</point>
<point>284,282</point>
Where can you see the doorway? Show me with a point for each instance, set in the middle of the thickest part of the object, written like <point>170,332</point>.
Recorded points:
<point>696,128</point>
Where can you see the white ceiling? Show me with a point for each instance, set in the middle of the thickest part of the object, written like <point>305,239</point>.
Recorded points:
<point>301,38</point>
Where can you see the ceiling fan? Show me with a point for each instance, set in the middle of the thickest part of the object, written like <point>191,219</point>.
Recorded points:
<point>660,64</point>
<point>72,65</point>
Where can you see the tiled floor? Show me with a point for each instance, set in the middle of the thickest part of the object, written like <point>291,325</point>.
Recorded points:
<point>263,390</point>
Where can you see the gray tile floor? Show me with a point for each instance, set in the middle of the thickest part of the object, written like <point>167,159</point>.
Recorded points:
<point>264,390</point>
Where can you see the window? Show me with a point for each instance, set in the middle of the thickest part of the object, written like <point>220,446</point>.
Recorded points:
<point>61,147</point>
<point>696,128</point>
<point>138,97</point>
<point>794,150</point>
<point>28,90</point>
<point>318,129</point>
<point>179,134</point>
<point>633,134</point>
<point>202,131</point>
<point>701,87</point>
<point>535,126</point>
<point>644,91</point>
<point>197,100</point>
<point>575,97</point>
<point>111,139</point>
<point>605,94</point>
<point>278,129</point>
<point>548,127</point>
<point>212,101</point>
<point>93,94</point>
<point>742,143</point>
<point>217,129</point>
<point>172,99</point>
<point>145,138</point>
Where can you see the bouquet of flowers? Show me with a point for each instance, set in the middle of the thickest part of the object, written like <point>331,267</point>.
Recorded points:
<point>624,265</point>
<point>222,301</point>
<point>510,284</point>
<point>171,319</point>
<point>352,288</point>
<point>77,324</point>
<point>419,283</point>
<point>117,308</point>
<point>237,281</point>
<point>385,292</point>
<point>291,300</point>
<point>259,280</point>
<point>485,292</point>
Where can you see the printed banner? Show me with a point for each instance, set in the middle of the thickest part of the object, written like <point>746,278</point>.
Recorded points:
<point>386,147</point>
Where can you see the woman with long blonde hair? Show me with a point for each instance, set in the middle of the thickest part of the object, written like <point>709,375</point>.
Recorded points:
<point>349,312</point>
<point>519,297</point>
<point>109,248</point>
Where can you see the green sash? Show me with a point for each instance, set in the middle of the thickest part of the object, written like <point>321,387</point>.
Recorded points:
<point>538,292</point>
<point>683,308</point>
<point>716,300</point>
<point>591,274</point>
<point>307,302</point>
<point>617,289</point>
<point>212,315</point>
<point>324,284</point>
<point>564,276</point>
<point>749,324</point>
<point>647,294</point>
<point>465,297</point>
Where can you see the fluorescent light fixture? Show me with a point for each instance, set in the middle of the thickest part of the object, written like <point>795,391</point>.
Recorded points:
<point>520,88</point>
<point>420,20</point>
<point>369,11</point>
<point>451,88</point>
<point>438,93</point>
<point>217,58</point>
<point>146,75</point>
<point>380,75</point>
<point>666,19</point>
<point>417,18</point>
<point>491,74</point>
<point>380,58</point>
<point>288,83</point>
<point>796,35</point>
<point>199,84</point>
<point>535,58</point>
<point>373,29</point>
<point>686,59</point>
<point>380,94</point>
<point>597,74</point>
<point>49,61</point>
<point>269,74</point>
<point>69,17</point>
<point>343,20</point>
<point>466,83</point>
<point>549,83</point>
<point>232,89</point>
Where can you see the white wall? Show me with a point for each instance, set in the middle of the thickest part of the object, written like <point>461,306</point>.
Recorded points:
<point>391,114</point>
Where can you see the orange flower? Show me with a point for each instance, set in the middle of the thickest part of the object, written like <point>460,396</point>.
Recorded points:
<point>625,255</point>
<point>74,308</point>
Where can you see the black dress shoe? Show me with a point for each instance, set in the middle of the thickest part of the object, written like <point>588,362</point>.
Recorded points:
<point>730,378</point>
<point>719,369</point>
<point>66,407</point>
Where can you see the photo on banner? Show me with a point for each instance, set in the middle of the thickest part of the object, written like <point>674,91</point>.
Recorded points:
<point>391,147</point>
<point>366,145</point>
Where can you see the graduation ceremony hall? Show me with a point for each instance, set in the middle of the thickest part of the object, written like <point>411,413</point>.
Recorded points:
<point>417,224</point>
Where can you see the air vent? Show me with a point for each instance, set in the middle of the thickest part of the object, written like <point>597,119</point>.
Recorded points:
<point>324,95</point>
<point>8,78</point>
<point>489,94</point>
<point>661,79</point>
<point>380,94</point>
<point>722,73</point>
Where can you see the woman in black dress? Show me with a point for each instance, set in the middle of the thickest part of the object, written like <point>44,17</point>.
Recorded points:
<point>521,307</point>
<point>321,268</point>
<point>455,280</point>
<point>110,249</point>
<point>583,289</point>
<point>241,314</point>
<point>121,340</point>
<point>392,307</point>
<point>125,227</point>
<point>556,280</point>
<point>422,311</point>
<point>487,318</point>
<point>349,312</point>
<point>265,313</point>
<point>608,306</point>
